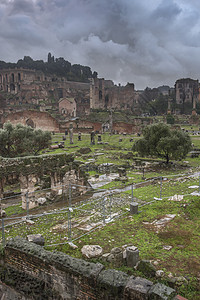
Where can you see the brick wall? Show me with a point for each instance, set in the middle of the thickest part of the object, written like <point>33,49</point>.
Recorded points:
<point>39,120</point>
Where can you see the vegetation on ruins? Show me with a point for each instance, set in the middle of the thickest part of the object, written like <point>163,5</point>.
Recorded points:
<point>160,141</point>
<point>58,66</point>
<point>22,140</point>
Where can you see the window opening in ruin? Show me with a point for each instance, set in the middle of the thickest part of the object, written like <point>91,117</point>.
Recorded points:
<point>6,78</point>
<point>12,77</point>
<point>100,95</point>
<point>12,87</point>
<point>0,78</point>
<point>30,123</point>
<point>19,77</point>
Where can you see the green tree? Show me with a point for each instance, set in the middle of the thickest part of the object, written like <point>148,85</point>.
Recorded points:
<point>160,141</point>
<point>170,119</point>
<point>22,140</point>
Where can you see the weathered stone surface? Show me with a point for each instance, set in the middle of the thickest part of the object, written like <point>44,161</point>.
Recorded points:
<point>84,150</point>
<point>29,222</point>
<point>161,292</point>
<point>111,284</point>
<point>32,271</point>
<point>31,170</point>
<point>2,213</point>
<point>41,200</point>
<point>132,256</point>
<point>116,257</point>
<point>160,273</point>
<point>137,288</point>
<point>146,268</point>
<point>36,238</point>
<point>134,208</point>
<point>91,251</point>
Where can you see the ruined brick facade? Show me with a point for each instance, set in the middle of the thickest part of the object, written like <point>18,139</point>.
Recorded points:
<point>67,107</point>
<point>32,89</point>
<point>35,119</point>
<point>187,90</point>
<point>30,97</point>
<point>105,95</point>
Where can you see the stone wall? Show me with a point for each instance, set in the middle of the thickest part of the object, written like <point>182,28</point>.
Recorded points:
<point>30,272</point>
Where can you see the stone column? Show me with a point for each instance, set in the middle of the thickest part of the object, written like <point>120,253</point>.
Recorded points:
<point>132,256</point>
<point>56,184</point>
<point>27,184</point>
<point>71,135</point>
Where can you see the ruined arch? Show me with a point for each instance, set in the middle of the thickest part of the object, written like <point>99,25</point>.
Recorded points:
<point>30,123</point>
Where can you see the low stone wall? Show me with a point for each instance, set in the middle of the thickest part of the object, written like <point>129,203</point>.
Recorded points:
<point>30,272</point>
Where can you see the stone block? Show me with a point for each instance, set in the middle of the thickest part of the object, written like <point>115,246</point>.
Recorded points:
<point>116,257</point>
<point>146,268</point>
<point>91,251</point>
<point>111,284</point>
<point>160,291</point>
<point>134,208</point>
<point>36,238</point>
<point>137,289</point>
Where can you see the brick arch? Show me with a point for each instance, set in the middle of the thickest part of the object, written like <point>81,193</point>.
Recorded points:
<point>30,123</point>
<point>41,120</point>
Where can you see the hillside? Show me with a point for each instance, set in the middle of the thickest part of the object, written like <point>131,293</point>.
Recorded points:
<point>58,66</point>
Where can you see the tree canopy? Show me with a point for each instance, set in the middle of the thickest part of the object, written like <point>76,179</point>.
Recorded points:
<point>57,66</point>
<point>161,141</point>
<point>22,140</point>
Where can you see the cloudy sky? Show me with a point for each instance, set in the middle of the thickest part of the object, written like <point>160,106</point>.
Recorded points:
<point>147,42</point>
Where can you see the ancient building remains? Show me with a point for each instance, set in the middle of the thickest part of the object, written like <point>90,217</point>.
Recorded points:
<point>61,169</point>
<point>34,90</point>
<point>31,272</point>
<point>35,119</point>
<point>187,91</point>
<point>105,95</point>
<point>67,107</point>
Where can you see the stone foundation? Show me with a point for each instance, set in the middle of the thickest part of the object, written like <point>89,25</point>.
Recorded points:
<point>30,272</point>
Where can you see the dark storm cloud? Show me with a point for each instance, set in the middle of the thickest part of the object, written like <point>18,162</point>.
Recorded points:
<point>149,43</point>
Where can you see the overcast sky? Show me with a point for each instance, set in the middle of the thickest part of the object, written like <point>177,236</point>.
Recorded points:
<point>147,42</point>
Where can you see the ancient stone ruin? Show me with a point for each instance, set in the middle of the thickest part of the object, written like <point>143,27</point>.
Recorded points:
<point>30,272</point>
<point>61,170</point>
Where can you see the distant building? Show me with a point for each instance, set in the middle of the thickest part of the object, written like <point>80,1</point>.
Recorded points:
<point>187,91</point>
<point>67,107</point>
<point>165,90</point>
<point>105,95</point>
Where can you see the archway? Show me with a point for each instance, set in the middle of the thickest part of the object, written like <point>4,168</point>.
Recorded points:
<point>30,123</point>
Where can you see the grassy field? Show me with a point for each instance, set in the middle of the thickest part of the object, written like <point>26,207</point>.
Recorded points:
<point>181,233</point>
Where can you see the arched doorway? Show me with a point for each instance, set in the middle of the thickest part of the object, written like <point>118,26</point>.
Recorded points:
<point>30,123</point>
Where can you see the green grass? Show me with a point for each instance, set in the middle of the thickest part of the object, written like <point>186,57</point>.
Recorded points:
<point>182,233</point>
